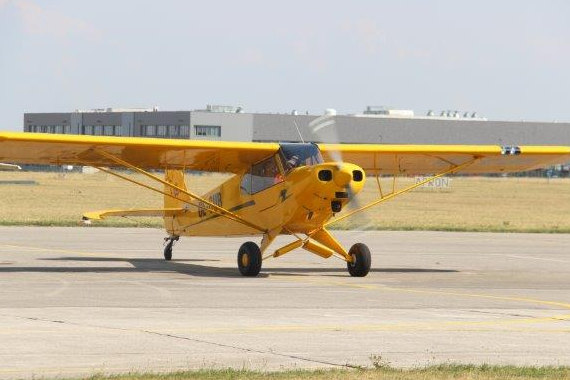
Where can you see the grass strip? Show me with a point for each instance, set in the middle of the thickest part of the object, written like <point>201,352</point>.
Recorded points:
<point>469,204</point>
<point>456,372</point>
<point>157,223</point>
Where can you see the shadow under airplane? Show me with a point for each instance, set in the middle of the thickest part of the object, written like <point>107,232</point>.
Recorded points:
<point>189,267</point>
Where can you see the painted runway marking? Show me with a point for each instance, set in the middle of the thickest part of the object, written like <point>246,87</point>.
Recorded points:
<point>58,250</point>
<point>410,290</point>
<point>538,258</point>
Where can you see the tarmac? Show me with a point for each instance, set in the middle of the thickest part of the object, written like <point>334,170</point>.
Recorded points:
<point>80,301</point>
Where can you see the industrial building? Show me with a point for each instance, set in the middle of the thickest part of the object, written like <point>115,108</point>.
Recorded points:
<point>374,125</point>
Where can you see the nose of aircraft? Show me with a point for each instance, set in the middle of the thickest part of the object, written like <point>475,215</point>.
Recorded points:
<point>343,176</point>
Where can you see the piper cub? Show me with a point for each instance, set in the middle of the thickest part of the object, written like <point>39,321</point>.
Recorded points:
<point>296,189</point>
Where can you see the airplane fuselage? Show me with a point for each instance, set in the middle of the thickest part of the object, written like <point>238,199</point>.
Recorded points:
<point>297,201</point>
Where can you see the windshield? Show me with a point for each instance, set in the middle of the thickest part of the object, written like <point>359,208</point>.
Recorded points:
<point>295,155</point>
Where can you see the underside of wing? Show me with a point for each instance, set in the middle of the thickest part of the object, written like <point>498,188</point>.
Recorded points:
<point>149,153</point>
<point>430,159</point>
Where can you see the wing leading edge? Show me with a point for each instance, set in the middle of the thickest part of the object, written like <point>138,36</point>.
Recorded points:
<point>236,157</point>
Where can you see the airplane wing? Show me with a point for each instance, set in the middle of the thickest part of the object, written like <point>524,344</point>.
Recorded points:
<point>236,157</point>
<point>431,159</point>
<point>149,153</point>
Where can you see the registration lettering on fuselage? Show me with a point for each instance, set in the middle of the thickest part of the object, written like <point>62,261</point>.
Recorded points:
<point>215,198</point>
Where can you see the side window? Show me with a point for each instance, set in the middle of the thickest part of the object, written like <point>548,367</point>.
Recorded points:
<point>245,184</point>
<point>263,175</point>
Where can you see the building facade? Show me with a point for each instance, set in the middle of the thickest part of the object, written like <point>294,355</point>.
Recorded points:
<point>231,124</point>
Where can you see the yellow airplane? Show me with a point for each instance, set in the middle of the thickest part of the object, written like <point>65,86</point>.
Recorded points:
<point>295,189</point>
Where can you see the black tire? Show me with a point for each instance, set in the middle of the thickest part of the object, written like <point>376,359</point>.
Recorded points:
<point>362,260</point>
<point>168,251</point>
<point>249,259</point>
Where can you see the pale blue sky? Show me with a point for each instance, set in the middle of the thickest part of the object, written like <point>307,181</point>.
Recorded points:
<point>505,59</point>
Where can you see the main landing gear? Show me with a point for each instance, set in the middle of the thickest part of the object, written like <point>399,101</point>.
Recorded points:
<point>249,258</point>
<point>361,260</point>
<point>169,241</point>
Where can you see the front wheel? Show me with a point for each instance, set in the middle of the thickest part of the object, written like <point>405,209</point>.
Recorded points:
<point>361,260</point>
<point>249,259</point>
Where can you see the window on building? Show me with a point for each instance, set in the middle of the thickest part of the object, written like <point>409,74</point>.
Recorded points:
<point>262,176</point>
<point>161,130</point>
<point>98,130</point>
<point>109,130</point>
<point>58,128</point>
<point>208,130</point>
<point>173,131</point>
<point>184,131</point>
<point>118,131</point>
<point>148,130</point>
<point>67,129</point>
<point>87,129</point>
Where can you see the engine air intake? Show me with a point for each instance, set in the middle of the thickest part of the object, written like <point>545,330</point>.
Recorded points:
<point>357,175</point>
<point>325,175</point>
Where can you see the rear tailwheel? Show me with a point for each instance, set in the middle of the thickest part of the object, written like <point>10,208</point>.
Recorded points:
<point>168,251</point>
<point>168,247</point>
<point>249,259</point>
<point>360,265</point>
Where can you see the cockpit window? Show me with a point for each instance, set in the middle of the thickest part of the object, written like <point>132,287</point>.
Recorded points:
<point>261,176</point>
<point>296,155</point>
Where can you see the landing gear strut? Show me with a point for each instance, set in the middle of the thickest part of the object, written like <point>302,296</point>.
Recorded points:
<point>169,241</point>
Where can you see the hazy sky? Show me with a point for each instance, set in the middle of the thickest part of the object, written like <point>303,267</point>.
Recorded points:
<point>505,59</point>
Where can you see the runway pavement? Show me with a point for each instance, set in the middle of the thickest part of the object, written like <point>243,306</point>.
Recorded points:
<point>78,301</point>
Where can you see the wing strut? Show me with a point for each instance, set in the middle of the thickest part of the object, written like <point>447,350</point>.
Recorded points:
<point>393,194</point>
<point>212,207</point>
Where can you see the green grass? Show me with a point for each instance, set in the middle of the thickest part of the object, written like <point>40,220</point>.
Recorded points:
<point>456,372</point>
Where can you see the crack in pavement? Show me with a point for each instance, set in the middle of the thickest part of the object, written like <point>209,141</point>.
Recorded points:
<point>515,315</point>
<point>190,339</point>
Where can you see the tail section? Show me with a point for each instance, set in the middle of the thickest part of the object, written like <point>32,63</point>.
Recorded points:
<point>176,199</point>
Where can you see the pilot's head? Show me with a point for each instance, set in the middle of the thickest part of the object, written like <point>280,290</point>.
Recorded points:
<point>293,162</point>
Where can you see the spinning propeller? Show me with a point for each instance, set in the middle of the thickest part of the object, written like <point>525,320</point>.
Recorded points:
<point>324,129</point>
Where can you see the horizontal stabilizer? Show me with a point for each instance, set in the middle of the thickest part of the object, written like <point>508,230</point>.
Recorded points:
<point>161,212</point>
<point>7,167</point>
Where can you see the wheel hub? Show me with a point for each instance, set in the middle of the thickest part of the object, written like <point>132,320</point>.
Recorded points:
<point>352,263</point>
<point>245,260</point>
